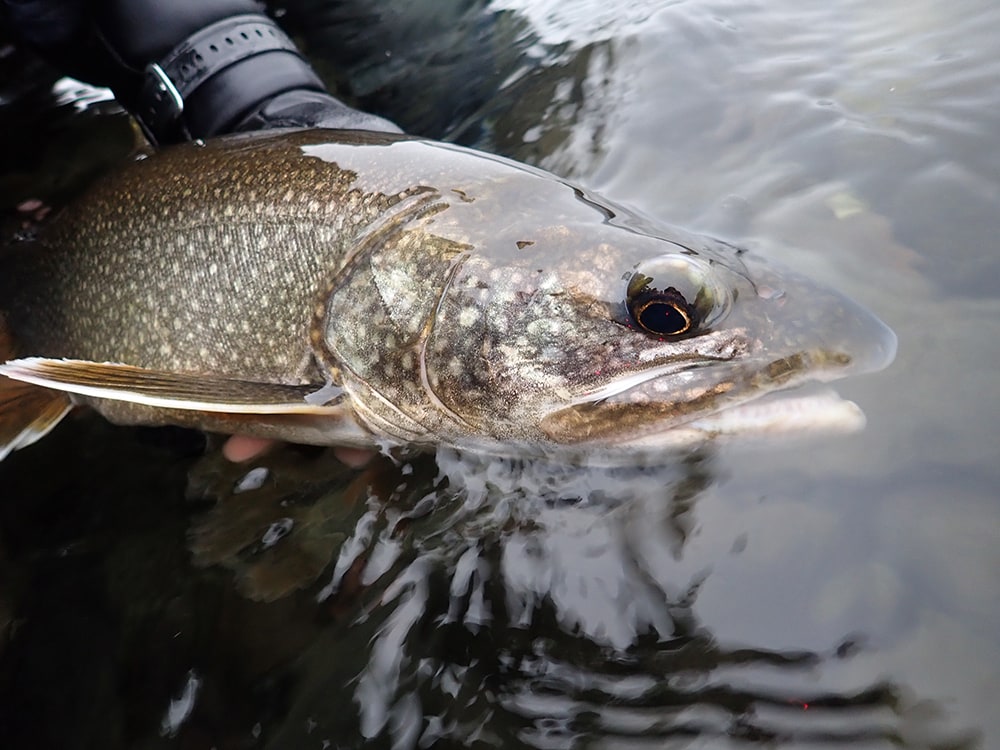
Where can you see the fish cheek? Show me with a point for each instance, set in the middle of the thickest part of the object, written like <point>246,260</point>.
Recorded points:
<point>377,316</point>
<point>502,353</point>
<point>456,358</point>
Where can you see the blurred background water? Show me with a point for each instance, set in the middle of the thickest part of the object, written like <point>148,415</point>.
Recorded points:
<point>839,591</point>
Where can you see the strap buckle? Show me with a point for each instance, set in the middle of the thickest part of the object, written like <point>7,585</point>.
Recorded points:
<point>168,83</point>
<point>161,105</point>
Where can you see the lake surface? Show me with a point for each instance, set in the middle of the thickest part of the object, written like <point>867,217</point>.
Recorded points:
<point>829,592</point>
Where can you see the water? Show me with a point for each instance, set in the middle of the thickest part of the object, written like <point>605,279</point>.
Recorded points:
<point>834,592</point>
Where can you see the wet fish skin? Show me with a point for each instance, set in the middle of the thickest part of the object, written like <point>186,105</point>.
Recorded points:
<point>453,296</point>
<point>212,254</point>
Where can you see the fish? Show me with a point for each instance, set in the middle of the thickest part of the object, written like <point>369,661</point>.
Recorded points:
<point>378,290</point>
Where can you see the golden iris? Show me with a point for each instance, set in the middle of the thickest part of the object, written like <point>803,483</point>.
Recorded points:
<point>675,295</point>
<point>663,312</point>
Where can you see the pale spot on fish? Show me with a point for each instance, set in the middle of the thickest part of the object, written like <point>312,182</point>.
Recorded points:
<point>467,317</point>
<point>541,328</point>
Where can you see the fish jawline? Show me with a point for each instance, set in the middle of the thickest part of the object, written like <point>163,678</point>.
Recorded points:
<point>799,411</point>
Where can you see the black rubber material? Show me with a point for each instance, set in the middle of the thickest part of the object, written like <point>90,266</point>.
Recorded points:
<point>312,109</point>
<point>248,84</point>
<point>219,74</point>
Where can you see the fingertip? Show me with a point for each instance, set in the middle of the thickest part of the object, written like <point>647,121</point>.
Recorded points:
<point>354,457</point>
<point>241,448</point>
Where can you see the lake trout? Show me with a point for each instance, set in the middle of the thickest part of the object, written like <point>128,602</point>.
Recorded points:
<point>363,289</point>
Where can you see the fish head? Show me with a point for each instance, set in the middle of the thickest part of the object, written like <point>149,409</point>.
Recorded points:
<point>497,304</point>
<point>624,338</point>
<point>601,336</point>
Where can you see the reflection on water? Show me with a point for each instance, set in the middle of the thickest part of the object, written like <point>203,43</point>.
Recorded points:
<point>528,604</point>
<point>824,595</point>
<point>406,603</point>
<point>276,530</point>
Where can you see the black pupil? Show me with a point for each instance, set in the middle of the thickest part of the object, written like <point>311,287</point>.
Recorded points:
<point>662,317</point>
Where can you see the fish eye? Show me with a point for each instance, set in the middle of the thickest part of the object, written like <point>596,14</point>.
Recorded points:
<point>663,312</point>
<point>675,295</point>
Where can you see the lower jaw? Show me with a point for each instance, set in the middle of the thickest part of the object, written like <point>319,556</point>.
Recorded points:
<point>799,411</point>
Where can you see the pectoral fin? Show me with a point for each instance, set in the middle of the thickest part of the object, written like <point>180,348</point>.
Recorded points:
<point>27,414</point>
<point>161,389</point>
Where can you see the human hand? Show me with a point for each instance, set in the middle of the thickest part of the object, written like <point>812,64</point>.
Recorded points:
<point>240,448</point>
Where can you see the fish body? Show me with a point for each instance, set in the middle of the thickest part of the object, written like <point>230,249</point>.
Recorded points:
<point>352,288</point>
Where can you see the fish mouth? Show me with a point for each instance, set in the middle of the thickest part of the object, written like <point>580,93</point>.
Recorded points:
<point>677,406</point>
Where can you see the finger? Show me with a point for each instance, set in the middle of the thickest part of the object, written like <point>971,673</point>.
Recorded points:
<point>240,448</point>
